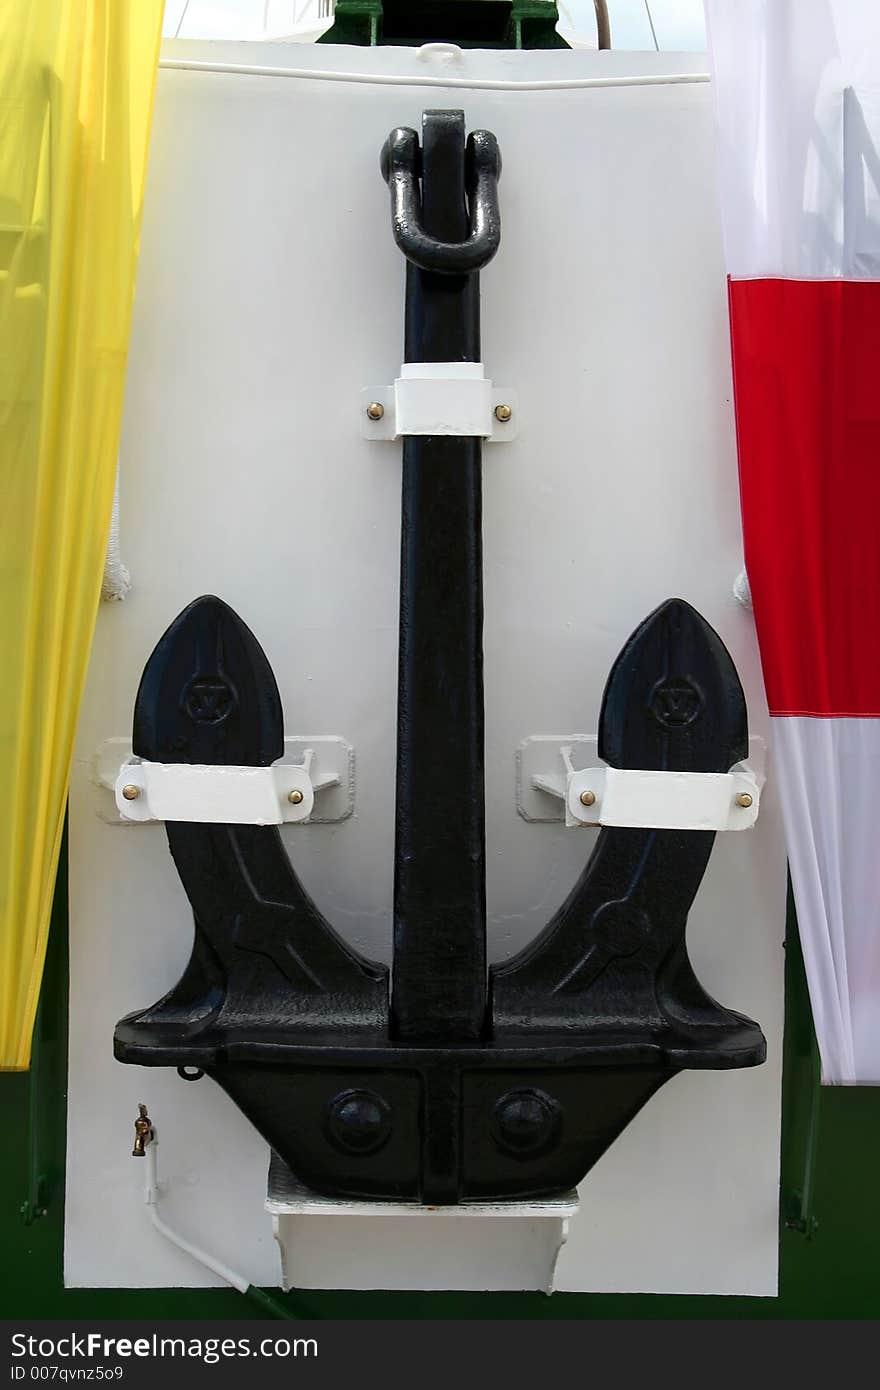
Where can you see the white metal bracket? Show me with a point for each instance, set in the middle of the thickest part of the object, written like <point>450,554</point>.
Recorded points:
<point>312,782</point>
<point>439,398</point>
<point>331,1242</point>
<point>562,778</point>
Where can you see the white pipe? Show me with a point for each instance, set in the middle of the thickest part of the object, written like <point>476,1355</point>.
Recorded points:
<point>151,1197</point>
<point>388,79</point>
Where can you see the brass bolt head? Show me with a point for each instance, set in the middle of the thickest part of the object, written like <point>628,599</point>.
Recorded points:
<point>588,798</point>
<point>131,792</point>
<point>375,410</point>
<point>744,799</point>
<point>295,797</point>
<point>503,413</point>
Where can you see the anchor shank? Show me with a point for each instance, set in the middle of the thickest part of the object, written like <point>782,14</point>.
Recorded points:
<point>439,974</point>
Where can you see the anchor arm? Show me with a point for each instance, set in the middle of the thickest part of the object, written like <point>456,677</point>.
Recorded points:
<point>615,951</point>
<point>263,952</point>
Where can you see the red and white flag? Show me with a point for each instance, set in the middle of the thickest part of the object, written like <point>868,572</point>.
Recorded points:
<point>797,99</point>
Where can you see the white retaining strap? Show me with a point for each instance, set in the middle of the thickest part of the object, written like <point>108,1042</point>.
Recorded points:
<point>664,800</point>
<point>439,398</point>
<point>451,398</point>
<point>215,795</point>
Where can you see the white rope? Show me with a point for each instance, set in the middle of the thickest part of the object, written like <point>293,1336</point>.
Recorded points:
<point>742,591</point>
<point>116,583</point>
<point>653,30</point>
<point>180,21</point>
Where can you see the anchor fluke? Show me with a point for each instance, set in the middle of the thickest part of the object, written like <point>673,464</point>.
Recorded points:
<point>673,699</point>
<point>208,694</point>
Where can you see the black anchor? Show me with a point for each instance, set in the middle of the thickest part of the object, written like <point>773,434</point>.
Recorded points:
<point>463,1085</point>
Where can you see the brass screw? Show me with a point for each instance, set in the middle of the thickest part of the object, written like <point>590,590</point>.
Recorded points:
<point>503,413</point>
<point>295,797</point>
<point>744,799</point>
<point>588,798</point>
<point>375,410</point>
<point>131,792</point>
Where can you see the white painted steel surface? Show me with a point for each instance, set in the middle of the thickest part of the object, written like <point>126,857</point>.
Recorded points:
<point>270,290</point>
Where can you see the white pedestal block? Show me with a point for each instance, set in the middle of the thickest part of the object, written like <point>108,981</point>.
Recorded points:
<point>330,1243</point>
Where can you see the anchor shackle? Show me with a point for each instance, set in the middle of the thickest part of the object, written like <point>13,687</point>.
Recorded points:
<point>401,165</point>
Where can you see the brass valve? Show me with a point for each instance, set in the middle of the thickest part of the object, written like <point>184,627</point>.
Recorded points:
<point>143,1132</point>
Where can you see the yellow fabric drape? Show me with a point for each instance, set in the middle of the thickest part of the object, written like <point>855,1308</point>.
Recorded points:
<point>76,88</point>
